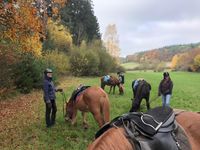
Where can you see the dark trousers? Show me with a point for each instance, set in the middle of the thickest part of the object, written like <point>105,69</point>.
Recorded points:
<point>50,115</point>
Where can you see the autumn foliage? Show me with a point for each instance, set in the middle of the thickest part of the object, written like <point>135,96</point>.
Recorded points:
<point>21,26</point>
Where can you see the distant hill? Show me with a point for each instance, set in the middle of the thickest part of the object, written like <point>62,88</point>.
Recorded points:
<point>161,54</point>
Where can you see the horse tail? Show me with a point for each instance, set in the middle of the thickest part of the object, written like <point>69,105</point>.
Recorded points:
<point>105,108</point>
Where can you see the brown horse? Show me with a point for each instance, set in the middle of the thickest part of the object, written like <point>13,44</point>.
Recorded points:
<point>113,82</point>
<point>92,99</point>
<point>115,137</point>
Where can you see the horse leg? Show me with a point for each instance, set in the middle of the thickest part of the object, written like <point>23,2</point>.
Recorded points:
<point>114,89</point>
<point>102,85</point>
<point>98,118</point>
<point>147,102</point>
<point>85,124</point>
<point>110,89</point>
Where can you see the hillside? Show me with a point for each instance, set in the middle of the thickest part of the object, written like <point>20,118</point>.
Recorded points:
<point>162,54</point>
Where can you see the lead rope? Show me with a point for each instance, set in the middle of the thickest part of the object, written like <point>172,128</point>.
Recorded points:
<point>64,99</point>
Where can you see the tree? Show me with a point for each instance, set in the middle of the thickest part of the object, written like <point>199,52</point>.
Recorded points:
<point>197,62</point>
<point>21,26</point>
<point>78,15</point>
<point>58,37</point>
<point>174,62</point>
<point>111,41</point>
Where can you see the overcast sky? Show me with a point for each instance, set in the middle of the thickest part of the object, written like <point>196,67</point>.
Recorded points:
<point>148,24</point>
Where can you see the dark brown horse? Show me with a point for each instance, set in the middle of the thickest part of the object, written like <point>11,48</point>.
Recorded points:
<point>115,137</point>
<point>140,91</point>
<point>113,82</point>
<point>92,99</point>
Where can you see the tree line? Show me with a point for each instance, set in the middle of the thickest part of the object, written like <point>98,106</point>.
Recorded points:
<point>60,34</point>
<point>177,57</point>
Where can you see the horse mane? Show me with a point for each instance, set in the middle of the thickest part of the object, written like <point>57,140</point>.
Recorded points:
<point>114,138</point>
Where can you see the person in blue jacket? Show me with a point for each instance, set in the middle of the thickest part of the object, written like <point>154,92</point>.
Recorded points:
<point>50,98</point>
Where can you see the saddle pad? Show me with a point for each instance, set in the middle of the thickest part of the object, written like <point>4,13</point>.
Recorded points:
<point>161,114</point>
<point>78,92</point>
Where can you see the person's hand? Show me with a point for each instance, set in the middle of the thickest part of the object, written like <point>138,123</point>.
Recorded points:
<point>49,105</point>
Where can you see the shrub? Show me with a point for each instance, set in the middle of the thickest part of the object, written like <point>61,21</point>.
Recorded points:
<point>59,37</point>
<point>91,60</point>
<point>28,73</point>
<point>59,60</point>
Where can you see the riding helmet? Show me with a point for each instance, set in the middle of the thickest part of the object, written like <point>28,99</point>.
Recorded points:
<point>48,70</point>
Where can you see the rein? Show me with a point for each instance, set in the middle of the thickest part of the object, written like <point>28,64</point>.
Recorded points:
<point>64,99</point>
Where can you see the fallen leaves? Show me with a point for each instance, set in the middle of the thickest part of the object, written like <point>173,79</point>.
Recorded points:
<point>16,115</point>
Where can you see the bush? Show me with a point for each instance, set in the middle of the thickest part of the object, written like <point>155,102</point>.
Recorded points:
<point>8,57</point>
<point>59,37</point>
<point>28,73</point>
<point>84,63</point>
<point>59,60</point>
<point>92,59</point>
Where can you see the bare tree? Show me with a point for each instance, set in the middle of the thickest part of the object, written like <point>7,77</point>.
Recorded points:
<point>111,41</point>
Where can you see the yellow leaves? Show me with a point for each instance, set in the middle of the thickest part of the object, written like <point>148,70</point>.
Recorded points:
<point>59,35</point>
<point>174,61</point>
<point>32,45</point>
<point>197,60</point>
<point>59,59</point>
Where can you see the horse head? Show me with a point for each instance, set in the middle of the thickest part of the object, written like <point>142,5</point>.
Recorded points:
<point>69,110</point>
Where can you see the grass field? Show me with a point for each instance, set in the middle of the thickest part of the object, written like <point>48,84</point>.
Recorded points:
<point>130,65</point>
<point>186,95</point>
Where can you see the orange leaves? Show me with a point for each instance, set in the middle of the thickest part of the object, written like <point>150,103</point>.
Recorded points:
<point>174,61</point>
<point>21,26</point>
<point>61,2</point>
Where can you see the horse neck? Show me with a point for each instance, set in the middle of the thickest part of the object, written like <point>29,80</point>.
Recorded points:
<point>70,106</point>
<point>113,138</point>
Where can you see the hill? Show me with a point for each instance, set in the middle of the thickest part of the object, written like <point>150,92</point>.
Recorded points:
<point>176,57</point>
<point>162,54</point>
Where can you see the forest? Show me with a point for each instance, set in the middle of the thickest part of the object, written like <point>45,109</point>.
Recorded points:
<point>60,34</point>
<point>176,57</point>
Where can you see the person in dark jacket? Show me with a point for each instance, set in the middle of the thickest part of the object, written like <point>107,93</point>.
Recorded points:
<point>165,89</point>
<point>49,98</point>
<point>121,77</point>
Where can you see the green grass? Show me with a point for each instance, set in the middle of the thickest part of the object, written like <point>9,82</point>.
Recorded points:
<point>130,65</point>
<point>64,136</point>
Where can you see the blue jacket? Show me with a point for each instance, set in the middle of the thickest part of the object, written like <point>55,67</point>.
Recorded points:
<point>49,90</point>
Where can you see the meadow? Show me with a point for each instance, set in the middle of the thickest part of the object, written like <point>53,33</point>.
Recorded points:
<point>34,134</point>
<point>130,65</point>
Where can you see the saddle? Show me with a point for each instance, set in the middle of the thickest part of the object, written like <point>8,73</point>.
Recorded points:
<point>153,130</point>
<point>78,92</point>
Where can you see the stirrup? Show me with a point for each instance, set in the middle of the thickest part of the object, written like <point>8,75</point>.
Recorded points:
<point>159,124</point>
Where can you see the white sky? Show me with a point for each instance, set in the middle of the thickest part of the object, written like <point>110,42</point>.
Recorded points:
<point>148,24</point>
